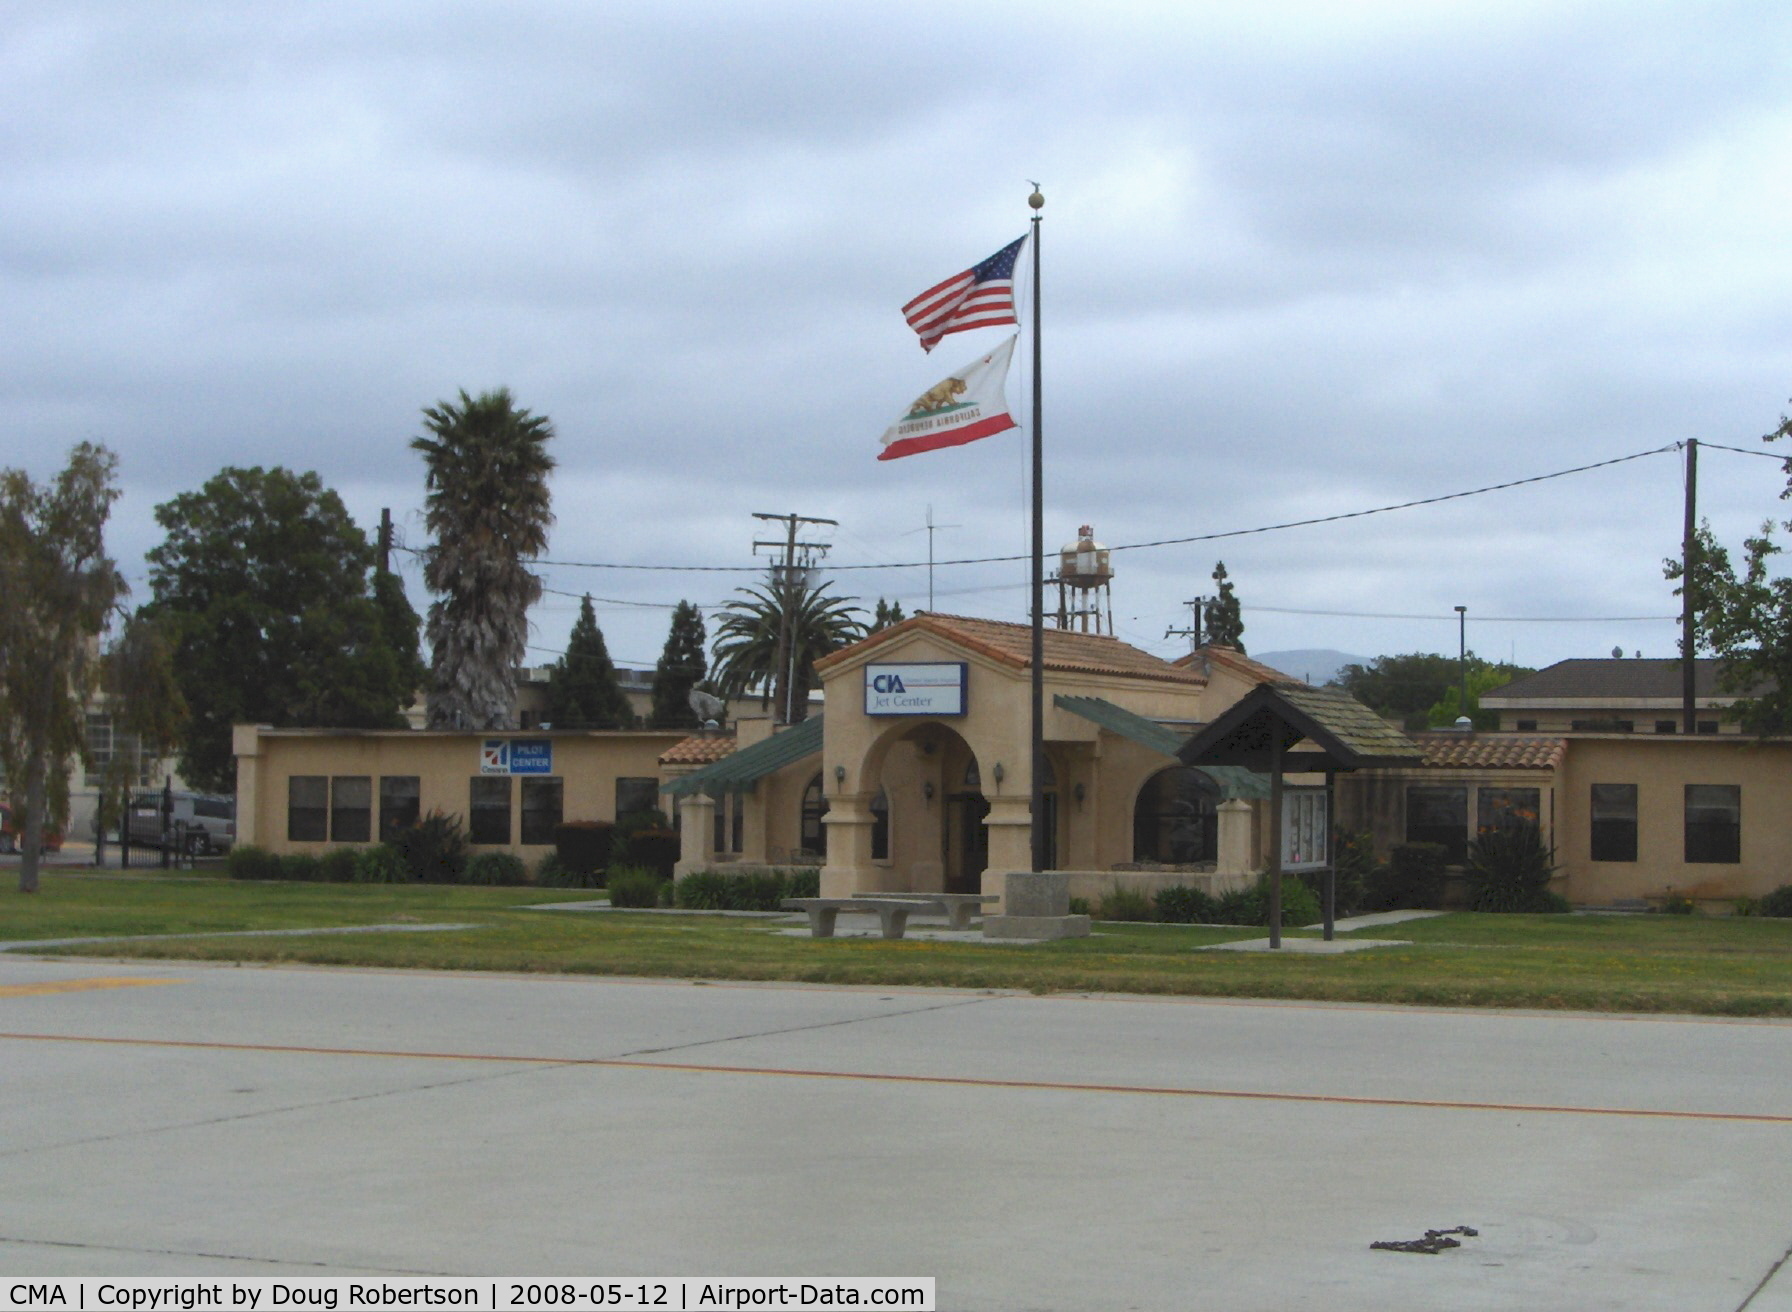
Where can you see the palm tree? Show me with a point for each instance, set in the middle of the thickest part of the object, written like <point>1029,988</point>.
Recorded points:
<point>747,643</point>
<point>488,512</point>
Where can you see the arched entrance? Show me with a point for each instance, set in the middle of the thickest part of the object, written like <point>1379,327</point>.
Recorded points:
<point>1175,820</point>
<point>964,838</point>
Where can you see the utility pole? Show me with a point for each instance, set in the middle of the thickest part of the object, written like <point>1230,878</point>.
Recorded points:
<point>1194,634</point>
<point>1689,561</point>
<point>788,581</point>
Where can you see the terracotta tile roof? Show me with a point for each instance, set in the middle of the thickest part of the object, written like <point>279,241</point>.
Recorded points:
<point>698,751</point>
<point>1011,645</point>
<point>1491,751</point>
<point>1235,661</point>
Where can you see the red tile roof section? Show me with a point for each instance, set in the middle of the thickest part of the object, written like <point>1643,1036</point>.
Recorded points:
<point>1235,661</point>
<point>1491,751</point>
<point>1012,645</point>
<point>698,751</point>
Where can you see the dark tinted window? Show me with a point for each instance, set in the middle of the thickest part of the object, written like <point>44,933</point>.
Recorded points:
<point>488,810</point>
<point>542,808</point>
<point>400,807</point>
<point>307,808</point>
<point>1714,822</point>
<point>1438,813</point>
<point>1614,822</point>
<point>351,808</point>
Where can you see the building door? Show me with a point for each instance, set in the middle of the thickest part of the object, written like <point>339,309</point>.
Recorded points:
<point>965,842</point>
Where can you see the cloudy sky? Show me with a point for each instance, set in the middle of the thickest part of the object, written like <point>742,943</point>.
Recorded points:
<point>1300,260</point>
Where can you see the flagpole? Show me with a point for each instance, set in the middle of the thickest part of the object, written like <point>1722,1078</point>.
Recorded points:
<point>1037,201</point>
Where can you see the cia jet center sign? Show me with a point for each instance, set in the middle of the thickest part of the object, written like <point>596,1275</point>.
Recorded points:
<point>932,689</point>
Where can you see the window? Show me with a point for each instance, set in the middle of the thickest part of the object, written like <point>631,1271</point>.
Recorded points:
<point>1527,726</point>
<point>728,823</point>
<point>542,808</point>
<point>814,834</point>
<point>1614,822</point>
<point>1706,726</point>
<point>1303,829</point>
<point>489,810</point>
<point>636,794</point>
<point>1714,822</point>
<point>1602,726</point>
<point>1507,809</point>
<point>104,743</point>
<point>307,808</point>
<point>400,807</point>
<point>1173,822</point>
<point>1439,814</point>
<point>351,808</point>
<point>1666,726</point>
<point>880,826</point>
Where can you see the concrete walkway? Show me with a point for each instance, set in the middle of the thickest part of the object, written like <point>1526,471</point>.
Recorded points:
<point>1029,1152</point>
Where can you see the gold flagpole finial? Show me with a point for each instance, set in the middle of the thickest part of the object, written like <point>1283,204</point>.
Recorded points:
<point>1037,199</point>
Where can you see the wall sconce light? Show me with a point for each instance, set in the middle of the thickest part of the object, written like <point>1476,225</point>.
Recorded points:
<point>927,791</point>
<point>1079,792</point>
<point>839,776</point>
<point>999,774</point>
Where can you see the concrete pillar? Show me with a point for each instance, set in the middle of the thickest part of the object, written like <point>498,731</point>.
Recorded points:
<point>849,869</point>
<point>1010,825</point>
<point>696,834</point>
<point>1237,845</point>
<point>245,742</point>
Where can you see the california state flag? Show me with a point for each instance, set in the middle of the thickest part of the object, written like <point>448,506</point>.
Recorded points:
<point>959,409</point>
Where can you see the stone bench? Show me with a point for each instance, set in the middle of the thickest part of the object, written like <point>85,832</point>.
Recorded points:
<point>959,907</point>
<point>891,909</point>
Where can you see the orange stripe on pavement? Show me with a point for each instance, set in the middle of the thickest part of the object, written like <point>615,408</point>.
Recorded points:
<point>947,1081</point>
<point>79,986</point>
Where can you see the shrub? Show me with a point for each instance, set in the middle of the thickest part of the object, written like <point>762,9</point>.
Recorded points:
<point>1677,905</point>
<point>551,872</point>
<point>1250,906</point>
<point>434,849</point>
<point>251,862</point>
<point>1776,903</point>
<point>380,864</point>
<point>1079,906</point>
<point>1126,904</point>
<point>300,866</point>
<point>496,868</point>
<point>722,890</point>
<point>337,866</point>
<point>1184,905</point>
<point>1412,878</point>
<point>651,849</point>
<point>583,847</point>
<point>1509,870</point>
<point>632,886</point>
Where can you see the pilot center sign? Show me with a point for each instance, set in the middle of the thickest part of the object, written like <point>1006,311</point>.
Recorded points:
<point>932,689</point>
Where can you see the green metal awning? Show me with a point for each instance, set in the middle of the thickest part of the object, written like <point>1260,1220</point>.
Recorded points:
<point>1233,781</point>
<point>739,771</point>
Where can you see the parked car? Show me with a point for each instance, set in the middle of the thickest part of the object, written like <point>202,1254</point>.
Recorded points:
<point>202,823</point>
<point>12,832</point>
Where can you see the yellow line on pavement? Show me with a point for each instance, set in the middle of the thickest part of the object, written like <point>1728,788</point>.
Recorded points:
<point>79,985</point>
<point>948,1081</point>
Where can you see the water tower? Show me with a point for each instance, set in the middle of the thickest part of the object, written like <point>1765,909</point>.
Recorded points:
<point>1084,601</point>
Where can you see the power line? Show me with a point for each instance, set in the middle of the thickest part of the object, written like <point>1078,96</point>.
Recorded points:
<point>1159,542</point>
<point>1743,451</point>
<point>1479,619</point>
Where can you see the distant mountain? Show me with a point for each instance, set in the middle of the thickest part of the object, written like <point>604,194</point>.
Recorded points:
<point>1314,664</point>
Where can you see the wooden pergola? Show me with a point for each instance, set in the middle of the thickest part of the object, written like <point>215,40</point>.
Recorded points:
<point>1334,733</point>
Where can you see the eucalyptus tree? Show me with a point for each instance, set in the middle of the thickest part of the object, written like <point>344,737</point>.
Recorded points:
<point>488,511</point>
<point>746,647</point>
<point>59,587</point>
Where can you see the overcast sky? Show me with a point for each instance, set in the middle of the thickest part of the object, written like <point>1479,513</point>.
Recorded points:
<point>1299,260</point>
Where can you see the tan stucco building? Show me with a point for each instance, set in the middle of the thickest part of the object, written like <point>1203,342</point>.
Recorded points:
<point>917,778</point>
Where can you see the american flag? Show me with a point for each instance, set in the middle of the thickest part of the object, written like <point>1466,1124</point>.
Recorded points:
<point>977,298</point>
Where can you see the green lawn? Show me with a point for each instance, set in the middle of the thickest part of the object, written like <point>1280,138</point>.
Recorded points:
<point>1605,963</point>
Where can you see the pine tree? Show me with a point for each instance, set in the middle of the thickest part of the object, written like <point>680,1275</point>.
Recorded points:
<point>1224,620</point>
<point>682,665</point>
<point>583,692</point>
<point>889,613</point>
